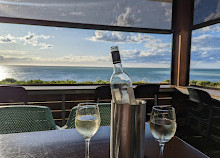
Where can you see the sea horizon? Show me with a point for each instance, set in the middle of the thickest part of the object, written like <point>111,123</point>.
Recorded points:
<point>94,73</point>
<point>100,66</point>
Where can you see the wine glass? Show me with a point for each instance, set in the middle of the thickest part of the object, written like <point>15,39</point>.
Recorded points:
<point>87,122</point>
<point>162,125</point>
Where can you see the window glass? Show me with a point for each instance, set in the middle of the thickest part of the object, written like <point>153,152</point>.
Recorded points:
<point>205,56</point>
<point>51,54</point>
<point>206,10</point>
<point>128,13</point>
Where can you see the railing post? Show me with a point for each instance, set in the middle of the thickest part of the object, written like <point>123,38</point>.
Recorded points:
<point>63,109</point>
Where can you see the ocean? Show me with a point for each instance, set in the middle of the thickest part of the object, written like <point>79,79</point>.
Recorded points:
<point>80,74</point>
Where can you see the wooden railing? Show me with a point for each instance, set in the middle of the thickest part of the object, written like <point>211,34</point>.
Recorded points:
<point>61,99</point>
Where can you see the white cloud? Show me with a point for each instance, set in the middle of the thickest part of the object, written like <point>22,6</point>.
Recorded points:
<point>155,49</point>
<point>45,46</point>
<point>153,45</point>
<point>7,39</point>
<point>144,13</point>
<point>33,39</point>
<point>212,16</point>
<point>215,14</point>
<point>29,39</point>
<point>205,48</point>
<point>157,46</point>
<point>126,54</point>
<point>12,53</point>
<point>127,18</point>
<point>119,37</point>
<point>168,11</point>
<point>209,29</point>
<point>65,60</point>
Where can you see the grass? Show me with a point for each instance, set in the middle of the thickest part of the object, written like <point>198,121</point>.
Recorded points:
<point>9,81</point>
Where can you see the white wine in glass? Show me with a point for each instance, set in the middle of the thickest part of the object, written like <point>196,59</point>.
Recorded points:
<point>87,122</point>
<point>163,125</point>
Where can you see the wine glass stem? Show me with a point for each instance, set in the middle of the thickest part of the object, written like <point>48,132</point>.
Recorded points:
<point>161,149</point>
<point>87,141</point>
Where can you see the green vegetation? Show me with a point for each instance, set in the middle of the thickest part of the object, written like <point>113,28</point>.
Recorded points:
<point>166,81</point>
<point>31,82</point>
<point>201,83</point>
<point>14,81</point>
<point>205,83</point>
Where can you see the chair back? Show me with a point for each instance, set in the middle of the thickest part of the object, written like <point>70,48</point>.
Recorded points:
<point>25,118</point>
<point>199,96</point>
<point>147,90</point>
<point>71,119</point>
<point>105,115</point>
<point>102,92</point>
<point>199,111</point>
<point>12,94</point>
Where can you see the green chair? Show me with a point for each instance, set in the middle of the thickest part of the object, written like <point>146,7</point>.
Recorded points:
<point>25,118</point>
<point>105,114</point>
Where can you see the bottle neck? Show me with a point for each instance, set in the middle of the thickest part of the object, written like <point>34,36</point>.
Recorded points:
<point>117,68</point>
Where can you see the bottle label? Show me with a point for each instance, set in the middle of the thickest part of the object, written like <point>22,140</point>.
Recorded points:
<point>123,96</point>
<point>116,57</point>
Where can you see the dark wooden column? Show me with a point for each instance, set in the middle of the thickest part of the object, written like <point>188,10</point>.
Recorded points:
<point>182,32</point>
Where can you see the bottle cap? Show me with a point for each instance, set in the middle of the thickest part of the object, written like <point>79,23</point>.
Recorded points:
<point>115,55</point>
<point>114,48</point>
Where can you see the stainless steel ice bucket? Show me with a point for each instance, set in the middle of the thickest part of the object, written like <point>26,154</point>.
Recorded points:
<point>127,130</point>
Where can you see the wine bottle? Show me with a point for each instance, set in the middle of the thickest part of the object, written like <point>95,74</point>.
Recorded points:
<point>120,82</point>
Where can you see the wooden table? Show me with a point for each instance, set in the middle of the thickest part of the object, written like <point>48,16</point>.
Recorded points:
<point>69,144</point>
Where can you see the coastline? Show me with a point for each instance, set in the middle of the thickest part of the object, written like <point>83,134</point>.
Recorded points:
<point>11,81</point>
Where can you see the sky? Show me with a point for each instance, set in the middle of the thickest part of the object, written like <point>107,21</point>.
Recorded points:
<point>53,46</point>
<point>40,45</point>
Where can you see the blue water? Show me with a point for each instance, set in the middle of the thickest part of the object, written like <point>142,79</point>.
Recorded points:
<point>79,74</point>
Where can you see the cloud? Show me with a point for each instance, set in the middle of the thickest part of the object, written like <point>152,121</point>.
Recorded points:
<point>33,39</point>
<point>153,45</point>
<point>14,60</point>
<point>168,11</point>
<point>212,16</point>
<point>209,29</point>
<point>215,14</point>
<point>155,50</point>
<point>119,37</point>
<point>79,59</point>
<point>144,14</point>
<point>157,46</point>
<point>129,54</point>
<point>44,45</point>
<point>65,60</point>
<point>127,18</point>
<point>145,56</point>
<point>7,39</point>
<point>206,41</point>
<point>205,48</point>
<point>12,53</point>
<point>29,39</point>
